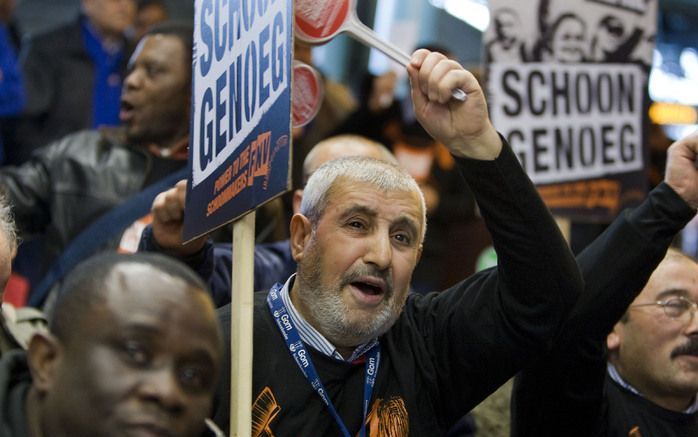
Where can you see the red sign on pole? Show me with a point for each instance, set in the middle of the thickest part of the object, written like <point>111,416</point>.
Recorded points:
<point>307,93</point>
<point>320,20</point>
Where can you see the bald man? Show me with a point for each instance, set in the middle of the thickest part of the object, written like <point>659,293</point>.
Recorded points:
<point>272,261</point>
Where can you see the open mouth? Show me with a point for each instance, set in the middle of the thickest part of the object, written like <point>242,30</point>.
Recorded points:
<point>367,288</point>
<point>370,290</point>
<point>126,111</point>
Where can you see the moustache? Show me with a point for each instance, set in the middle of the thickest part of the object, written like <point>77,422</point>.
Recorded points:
<point>688,348</point>
<point>368,270</point>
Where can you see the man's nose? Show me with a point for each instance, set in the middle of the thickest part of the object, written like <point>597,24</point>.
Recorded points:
<point>692,327</point>
<point>132,79</point>
<point>380,251</point>
<point>162,386</point>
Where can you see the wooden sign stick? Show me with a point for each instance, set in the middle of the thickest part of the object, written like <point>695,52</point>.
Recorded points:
<point>241,325</point>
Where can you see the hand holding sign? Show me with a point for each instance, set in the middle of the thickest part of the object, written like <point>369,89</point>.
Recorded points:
<point>465,128</point>
<point>318,21</point>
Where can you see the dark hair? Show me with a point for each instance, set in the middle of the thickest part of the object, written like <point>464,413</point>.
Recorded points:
<point>182,30</point>
<point>85,285</point>
<point>543,45</point>
<point>564,17</point>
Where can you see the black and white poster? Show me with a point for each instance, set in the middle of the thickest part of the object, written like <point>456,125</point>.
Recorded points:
<point>567,86</point>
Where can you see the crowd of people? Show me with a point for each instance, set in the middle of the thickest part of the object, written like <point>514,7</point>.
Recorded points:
<point>128,332</point>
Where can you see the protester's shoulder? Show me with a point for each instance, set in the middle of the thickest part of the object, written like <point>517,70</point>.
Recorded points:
<point>12,363</point>
<point>280,246</point>
<point>88,144</point>
<point>625,409</point>
<point>259,299</point>
<point>480,282</point>
<point>21,323</point>
<point>223,313</point>
<point>425,311</point>
<point>273,251</point>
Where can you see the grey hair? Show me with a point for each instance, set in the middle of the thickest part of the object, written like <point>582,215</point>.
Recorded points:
<point>7,223</point>
<point>385,176</point>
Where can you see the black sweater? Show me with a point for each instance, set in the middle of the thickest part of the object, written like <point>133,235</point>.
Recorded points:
<point>567,392</point>
<point>627,411</point>
<point>15,381</point>
<point>447,351</point>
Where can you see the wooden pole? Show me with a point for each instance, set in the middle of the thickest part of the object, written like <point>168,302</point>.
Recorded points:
<point>565,226</point>
<point>241,325</point>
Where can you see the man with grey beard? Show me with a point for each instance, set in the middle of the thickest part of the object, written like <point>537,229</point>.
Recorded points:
<point>342,347</point>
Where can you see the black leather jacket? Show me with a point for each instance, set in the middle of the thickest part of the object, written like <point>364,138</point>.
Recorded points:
<point>73,181</point>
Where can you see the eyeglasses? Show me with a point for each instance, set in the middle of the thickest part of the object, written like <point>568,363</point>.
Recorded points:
<point>674,307</point>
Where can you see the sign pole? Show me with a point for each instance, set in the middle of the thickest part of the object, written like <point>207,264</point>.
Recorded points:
<point>241,325</point>
<point>565,226</point>
<point>240,151</point>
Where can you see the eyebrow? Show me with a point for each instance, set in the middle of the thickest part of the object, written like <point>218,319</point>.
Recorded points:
<point>359,209</point>
<point>403,220</point>
<point>670,292</point>
<point>141,328</point>
<point>154,332</point>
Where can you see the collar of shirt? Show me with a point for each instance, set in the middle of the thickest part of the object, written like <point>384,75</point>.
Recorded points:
<point>312,337</point>
<point>613,373</point>
<point>108,48</point>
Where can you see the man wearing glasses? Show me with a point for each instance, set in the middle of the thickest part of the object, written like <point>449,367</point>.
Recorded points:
<point>653,352</point>
<point>641,380</point>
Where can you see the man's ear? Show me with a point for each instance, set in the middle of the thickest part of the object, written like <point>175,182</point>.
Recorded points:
<point>43,355</point>
<point>301,231</point>
<point>613,339</point>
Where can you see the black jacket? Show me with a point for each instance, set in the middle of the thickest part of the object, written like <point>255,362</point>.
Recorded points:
<point>59,77</point>
<point>15,381</point>
<point>568,392</point>
<point>72,182</point>
<point>447,351</point>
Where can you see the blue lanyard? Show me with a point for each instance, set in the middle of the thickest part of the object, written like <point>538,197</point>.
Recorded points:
<point>300,355</point>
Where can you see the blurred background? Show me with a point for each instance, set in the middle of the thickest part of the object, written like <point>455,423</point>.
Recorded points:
<point>458,25</point>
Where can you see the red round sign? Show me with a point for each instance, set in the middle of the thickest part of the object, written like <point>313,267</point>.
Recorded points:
<point>320,20</point>
<point>306,95</point>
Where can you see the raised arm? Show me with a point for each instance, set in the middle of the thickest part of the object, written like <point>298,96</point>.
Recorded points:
<point>564,391</point>
<point>485,329</point>
<point>164,235</point>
